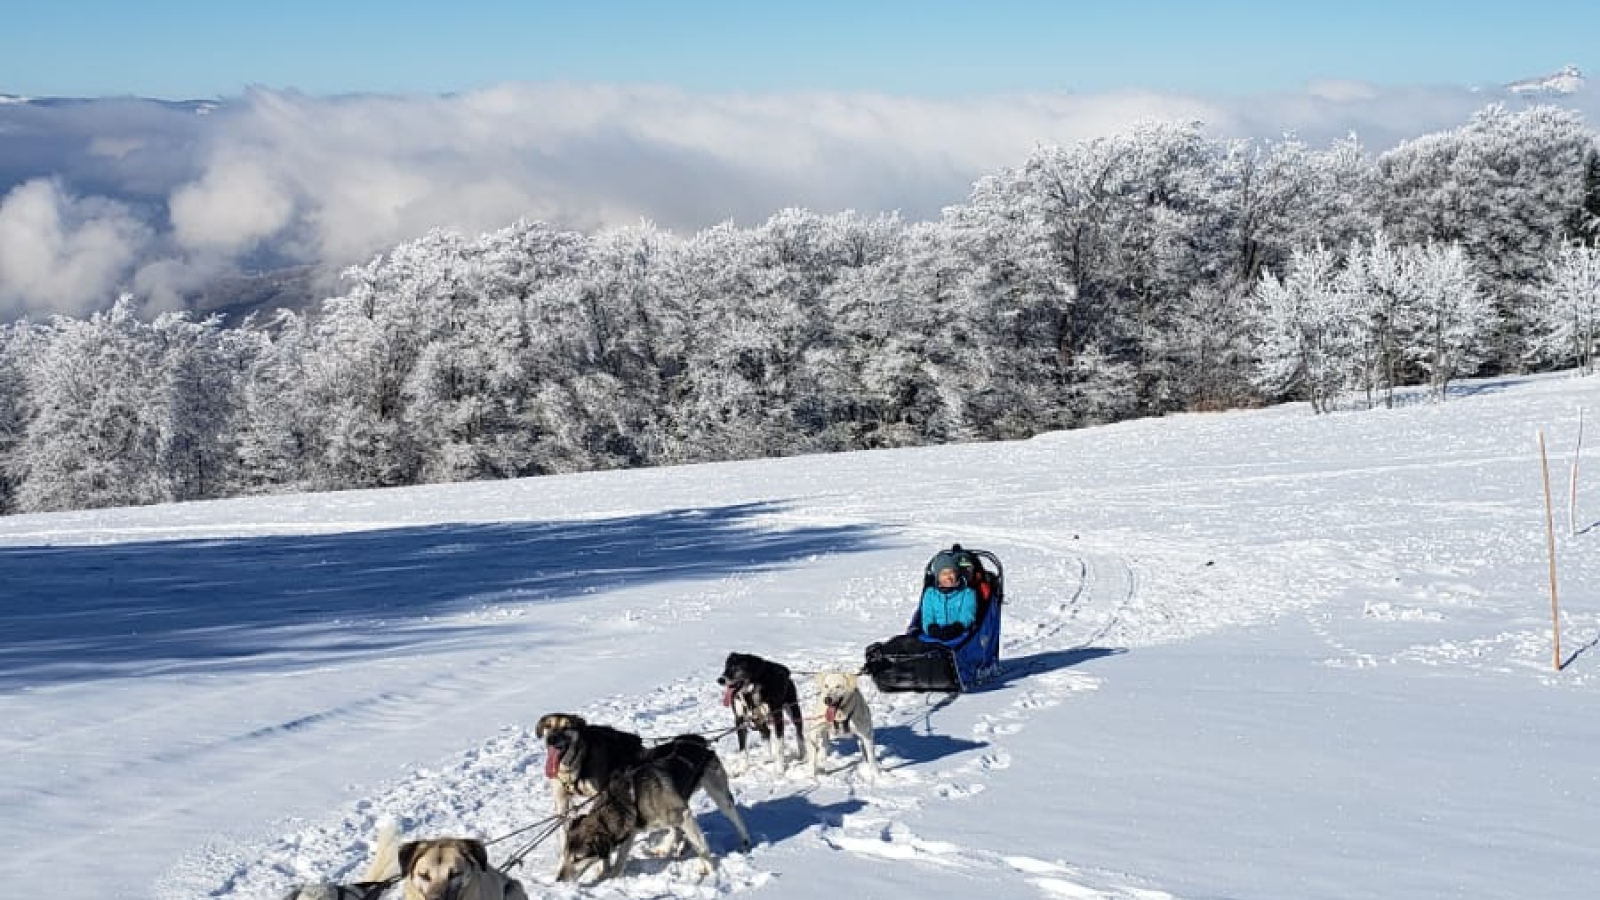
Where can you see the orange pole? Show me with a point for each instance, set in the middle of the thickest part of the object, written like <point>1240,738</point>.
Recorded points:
<point>1550,540</point>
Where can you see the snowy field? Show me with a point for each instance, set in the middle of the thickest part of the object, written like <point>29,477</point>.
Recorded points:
<point>1258,655</point>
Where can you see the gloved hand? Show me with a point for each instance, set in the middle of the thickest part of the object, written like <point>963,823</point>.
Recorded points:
<point>945,632</point>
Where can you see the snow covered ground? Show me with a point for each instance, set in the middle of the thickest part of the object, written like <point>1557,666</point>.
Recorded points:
<point>1258,655</point>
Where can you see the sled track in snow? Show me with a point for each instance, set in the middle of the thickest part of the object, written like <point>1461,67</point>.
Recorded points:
<point>1104,577</point>
<point>1106,586</point>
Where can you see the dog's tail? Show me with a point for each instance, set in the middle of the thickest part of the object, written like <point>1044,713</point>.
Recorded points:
<point>385,864</point>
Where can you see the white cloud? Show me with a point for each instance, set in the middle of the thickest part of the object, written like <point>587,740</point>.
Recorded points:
<point>349,176</point>
<point>332,180</point>
<point>1338,90</point>
<point>115,146</point>
<point>236,205</point>
<point>164,282</point>
<point>63,254</point>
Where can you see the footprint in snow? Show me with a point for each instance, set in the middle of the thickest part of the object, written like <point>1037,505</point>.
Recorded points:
<point>896,842</point>
<point>988,726</point>
<point>959,791</point>
<point>996,760</point>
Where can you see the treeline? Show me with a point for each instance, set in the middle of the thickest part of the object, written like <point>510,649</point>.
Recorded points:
<point>1149,272</point>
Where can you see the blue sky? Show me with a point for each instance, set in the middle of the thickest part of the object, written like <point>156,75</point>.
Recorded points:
<point>178,50</point>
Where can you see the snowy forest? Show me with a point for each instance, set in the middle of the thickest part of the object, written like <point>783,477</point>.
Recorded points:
<point>1150,272</point>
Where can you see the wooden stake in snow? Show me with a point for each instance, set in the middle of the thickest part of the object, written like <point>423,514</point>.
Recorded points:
<point>1572,481</point>
<point>1550,540</point>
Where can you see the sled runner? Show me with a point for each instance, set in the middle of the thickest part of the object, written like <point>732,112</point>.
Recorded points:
<point>928,658</point>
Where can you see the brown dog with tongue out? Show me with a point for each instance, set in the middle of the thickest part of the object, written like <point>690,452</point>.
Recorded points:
<point>582,758</point>
<point>760,692</point>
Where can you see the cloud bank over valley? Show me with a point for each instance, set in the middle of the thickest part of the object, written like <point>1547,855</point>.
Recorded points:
<point>98,197</point>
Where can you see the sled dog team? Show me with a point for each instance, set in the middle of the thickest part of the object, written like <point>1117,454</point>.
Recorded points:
<point>631,789</point>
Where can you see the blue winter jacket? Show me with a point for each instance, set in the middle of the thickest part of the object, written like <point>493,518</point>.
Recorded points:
<point>958,606</point>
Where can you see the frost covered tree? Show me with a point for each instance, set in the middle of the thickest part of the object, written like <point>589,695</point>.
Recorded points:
<point>1248,207</point>
<point>1103,389</point>
<point>1261,193</point>
<point>1567,311</point>
<point>1124,227</point>
<point>363,346</point>
<point>726,401</point>
<point>1585,224</point>
<point>201,367</point>
<point>892,354</point>
<point>1206,349</point>
<point>274,435</point>
<point>1073,192</point>
<point>593,363</point>
<point>458,395</point>
<point>833,408</point>
<point>13,410</point>
<point>530,374</point>
<point>99,427</point>
<point>760,365</point>
<point>1451,321</point>
<point>1169,211</point>
<point>454,359</point>
<point>1306,338</point>
<point>1506,186</point>
<point>1003,329</point>
<point>1378,280</point>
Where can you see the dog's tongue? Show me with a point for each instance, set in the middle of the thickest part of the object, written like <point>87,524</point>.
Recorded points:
<point>552,761</point>
<point>831,710</point>
<point>727,696</point>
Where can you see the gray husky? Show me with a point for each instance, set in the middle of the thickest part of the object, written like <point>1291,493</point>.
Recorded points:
<point>654,794</point>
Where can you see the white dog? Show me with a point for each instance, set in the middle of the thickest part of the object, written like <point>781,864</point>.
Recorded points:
<point>841,711</point>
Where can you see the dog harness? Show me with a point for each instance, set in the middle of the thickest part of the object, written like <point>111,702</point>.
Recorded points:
<point>743,701</point>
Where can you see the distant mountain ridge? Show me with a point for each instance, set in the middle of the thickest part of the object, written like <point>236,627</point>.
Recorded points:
<point>198,107</point>
<point>1566,80</point>
<point>1569,80</point>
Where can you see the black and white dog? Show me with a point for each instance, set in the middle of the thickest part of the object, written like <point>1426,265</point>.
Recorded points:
<point>761,693</point>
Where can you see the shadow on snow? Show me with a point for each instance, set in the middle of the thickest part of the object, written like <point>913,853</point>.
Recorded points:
<point>781,818</point>
<point>84,612</point>
<point>1015,669</point>
<point>915,747</point>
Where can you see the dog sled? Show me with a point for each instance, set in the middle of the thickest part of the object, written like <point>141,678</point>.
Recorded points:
<point>919,661</point>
